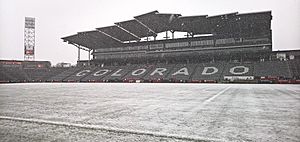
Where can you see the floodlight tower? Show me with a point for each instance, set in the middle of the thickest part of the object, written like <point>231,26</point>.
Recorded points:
<point>29,38</point>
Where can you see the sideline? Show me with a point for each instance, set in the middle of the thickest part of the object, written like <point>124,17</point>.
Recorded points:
<point>109,129</point>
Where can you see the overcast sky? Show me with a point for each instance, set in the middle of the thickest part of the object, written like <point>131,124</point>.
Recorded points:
<point>59,18</point>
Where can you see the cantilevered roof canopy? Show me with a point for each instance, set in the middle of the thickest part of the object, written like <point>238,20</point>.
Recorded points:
<point>75,39</point>
<point>118,33</point>
<point>152,23</point>
<point>192,24</point>
<point>92,39</point>
<point>157,22</point>
<point>134,27</point>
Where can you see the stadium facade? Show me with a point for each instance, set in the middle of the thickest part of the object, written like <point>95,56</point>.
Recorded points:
<point>230,47</point>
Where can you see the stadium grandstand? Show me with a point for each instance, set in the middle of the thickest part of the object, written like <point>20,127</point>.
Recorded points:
<point>223,48</point>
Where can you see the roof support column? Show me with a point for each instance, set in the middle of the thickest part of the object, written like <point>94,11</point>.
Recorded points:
<point>172,34</point>
<point>166,35</point>
<point>187,35</point>
<point>78,58</point>
<point>89,61</point>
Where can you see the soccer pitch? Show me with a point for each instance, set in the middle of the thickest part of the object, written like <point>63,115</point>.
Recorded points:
<point>149,112</point>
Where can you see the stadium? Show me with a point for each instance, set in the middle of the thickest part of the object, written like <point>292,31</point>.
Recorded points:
<point>224,48</point>
<point>220,81</point>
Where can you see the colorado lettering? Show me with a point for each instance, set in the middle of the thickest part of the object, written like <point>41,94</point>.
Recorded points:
<point>206,71</point>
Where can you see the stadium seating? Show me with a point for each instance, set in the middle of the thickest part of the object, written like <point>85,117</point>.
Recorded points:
<point>79,74</point>
<point>13,75</point>
<point>193,72</point>
<point>209,71</point>
<point>118,73</point>
<point>159,73</point>
<point>272,68</point>
<point>182,72</point>
<point>238,69</point>
<point>98,74</point>
<point>138,73</point>
<point>294,66</point>
<point>36,74</point>
<point>40,75</point>
<point>4,76</point>
<point>63,75</point>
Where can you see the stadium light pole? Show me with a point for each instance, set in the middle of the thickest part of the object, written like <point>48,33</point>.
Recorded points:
<point>29,38</point>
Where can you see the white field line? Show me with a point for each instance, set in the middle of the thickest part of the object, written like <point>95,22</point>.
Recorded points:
<point>110,129</point>
<point>213,97</point>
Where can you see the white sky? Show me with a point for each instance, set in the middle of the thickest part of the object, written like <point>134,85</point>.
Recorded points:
<point>60,18</point>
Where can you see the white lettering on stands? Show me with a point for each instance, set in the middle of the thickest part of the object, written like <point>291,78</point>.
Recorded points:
<point>204,72</point>
<point>183,71</point>
<point>138,72</point>
<point>116,73</point>
<point>101,72</point>
<point>245,70</point>
<point>83,73</point>
<point>159,71</point>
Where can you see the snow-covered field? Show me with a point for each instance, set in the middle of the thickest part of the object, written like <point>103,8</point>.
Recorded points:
<point>149,112</point>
